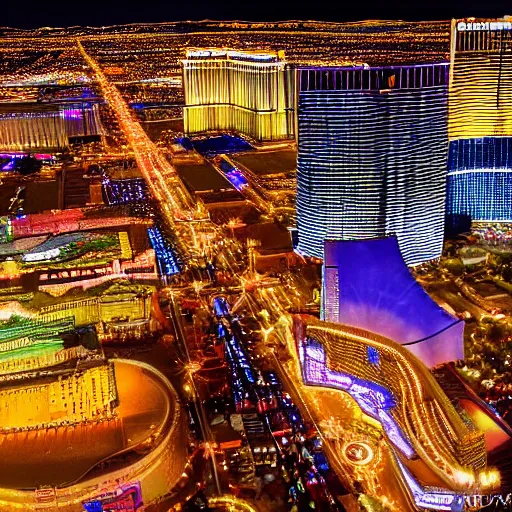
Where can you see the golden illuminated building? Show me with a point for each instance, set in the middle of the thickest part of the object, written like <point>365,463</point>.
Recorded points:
<point>75,396</point>
<point>479,185</point>
<point>40,359</point>
<point>92,310</point>
<point>43,383</point>
<point>481,79</point>
<point>26,126</point>
<point>246,92</point>
<point>431,421</point>
<point>23,129</point>
<point>384,419</point>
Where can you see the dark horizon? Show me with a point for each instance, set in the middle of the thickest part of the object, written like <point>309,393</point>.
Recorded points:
<point>60,14</point>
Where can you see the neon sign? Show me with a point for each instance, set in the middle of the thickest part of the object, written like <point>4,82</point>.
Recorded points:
<point>463,26</point>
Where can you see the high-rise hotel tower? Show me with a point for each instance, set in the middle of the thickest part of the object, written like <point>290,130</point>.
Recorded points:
<point>250,93</point>
<point>480,121</point>
<point>372,147</point>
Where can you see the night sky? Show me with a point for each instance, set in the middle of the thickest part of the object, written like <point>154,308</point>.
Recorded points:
<point>60,13</point>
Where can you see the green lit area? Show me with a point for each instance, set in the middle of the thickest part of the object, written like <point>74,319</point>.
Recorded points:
<point>38,349</point>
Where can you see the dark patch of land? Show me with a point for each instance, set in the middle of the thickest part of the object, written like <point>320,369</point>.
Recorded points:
<point>268,162</point>
<point>202,177</point>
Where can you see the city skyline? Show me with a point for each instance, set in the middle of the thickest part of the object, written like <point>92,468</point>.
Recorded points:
<point>256,267</point>
<point>58,14</point>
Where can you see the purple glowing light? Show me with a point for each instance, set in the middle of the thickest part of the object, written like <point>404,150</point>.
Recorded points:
<point>73,114</point>
<point>430,500</point>
<point>373,399</point>
<point>237,179</point>
<point>366,296</point>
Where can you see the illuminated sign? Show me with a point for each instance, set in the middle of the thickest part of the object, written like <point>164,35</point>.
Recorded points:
<point>45,495</point>
<point>251,56</point>
<point>206,53</point>
<point>358,452</point>
<point>464,26</point>
<point>230,53</point>
<point>127,497</point>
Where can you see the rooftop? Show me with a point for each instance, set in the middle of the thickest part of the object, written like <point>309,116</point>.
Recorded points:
<point>223,53</point>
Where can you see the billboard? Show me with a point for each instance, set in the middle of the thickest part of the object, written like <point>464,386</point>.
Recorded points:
<point>126,498</point>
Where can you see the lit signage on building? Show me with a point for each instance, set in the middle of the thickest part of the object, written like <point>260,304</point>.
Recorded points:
<point>463,26</point>
<point>206,54</point>
<point>251,56</point>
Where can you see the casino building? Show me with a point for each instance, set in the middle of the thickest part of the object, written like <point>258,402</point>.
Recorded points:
<point>250,93</point>
<point>43,383</point>
<point>372,149</point>
<point>480,121</point>
<point>46,127</point>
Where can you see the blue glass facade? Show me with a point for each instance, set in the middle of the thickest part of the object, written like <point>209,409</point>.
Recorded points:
<point>479,185</point>
<point>482,153</point>
<point>372,152</point>
<point>480,178</point>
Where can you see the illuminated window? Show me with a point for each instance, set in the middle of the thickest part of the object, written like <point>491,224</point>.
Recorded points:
<point>373,355</point>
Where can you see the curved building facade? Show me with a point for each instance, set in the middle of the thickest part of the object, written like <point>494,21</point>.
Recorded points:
<point>368,286</point>
<point>433,454</point>
<point>480,121</point>
<point>247,92</point>
<point>372,149</point>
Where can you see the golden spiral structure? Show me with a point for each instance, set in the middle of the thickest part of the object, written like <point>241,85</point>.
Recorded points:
<point>403,420</point>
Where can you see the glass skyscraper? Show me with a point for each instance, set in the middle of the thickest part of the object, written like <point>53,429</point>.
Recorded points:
<point>372,152</point>
<point>480,121</point>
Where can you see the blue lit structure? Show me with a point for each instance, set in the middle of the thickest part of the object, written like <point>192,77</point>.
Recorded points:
<point>125,191</point>
<point>233,174</point>
<point>166,258</point>
<point>479,184</point>
<point>211,146</point>
<point>367,285</point>
<point>372,151</point>
<point>480,178</point>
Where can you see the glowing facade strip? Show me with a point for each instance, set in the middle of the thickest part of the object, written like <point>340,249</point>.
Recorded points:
<point>32,130</point>
<point>373,399</point>
<point>371,159</point>
<point>48,128</point>
<point>480,121</point>
<point>430,500</point>
<point>240,91</point>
